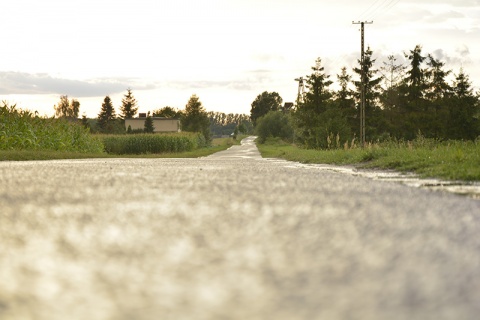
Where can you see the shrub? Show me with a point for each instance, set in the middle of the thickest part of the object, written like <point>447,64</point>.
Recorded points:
<point>274,124</point>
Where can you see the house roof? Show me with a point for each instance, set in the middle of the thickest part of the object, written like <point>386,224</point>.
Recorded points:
<point>153,118</point>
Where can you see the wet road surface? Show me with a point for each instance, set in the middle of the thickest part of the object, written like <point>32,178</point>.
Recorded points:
<point>230,236</point>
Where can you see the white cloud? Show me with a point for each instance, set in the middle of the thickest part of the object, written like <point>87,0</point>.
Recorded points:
<point>25,83</point>
<point>227,51</point>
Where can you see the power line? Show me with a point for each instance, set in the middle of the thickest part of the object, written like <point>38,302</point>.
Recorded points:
<point>377,8</point>
<point>393,5</point>
<point>371,6</point>
<point>380,9</point>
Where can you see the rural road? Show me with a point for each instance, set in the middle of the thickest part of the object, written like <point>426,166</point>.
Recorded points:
<point>230,236</point>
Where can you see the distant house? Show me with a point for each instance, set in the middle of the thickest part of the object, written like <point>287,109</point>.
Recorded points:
<point>288,106</point>
<point>160,124</point>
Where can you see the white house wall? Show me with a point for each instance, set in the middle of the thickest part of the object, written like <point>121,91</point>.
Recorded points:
<point>160,125</point>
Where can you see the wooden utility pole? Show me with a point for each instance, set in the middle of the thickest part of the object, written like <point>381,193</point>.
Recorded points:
<point>362,81</point>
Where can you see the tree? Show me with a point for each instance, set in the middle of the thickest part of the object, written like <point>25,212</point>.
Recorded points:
<point>224,124</point>
<point>129,106</point>
<point>75,107</point>
<point>318,94</point>
<point>344,99</point>
<point>318,118</point>
<point>106,117</point>
<point>263,103</point>
<point>437,90</point>
<point>415,114</point>
<point>415,76</point>
<point>274,124</point>
<point>242,128</point>
<point>464,109</point>
<point>85,121</point>
<point>148,126</point>
<point>393,74</point>
<point>65,109</point>
<point>374,123</point>
<point>195,118</point>
<point>168,112</point>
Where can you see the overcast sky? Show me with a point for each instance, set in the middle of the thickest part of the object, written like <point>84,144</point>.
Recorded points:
<point>225,51</point>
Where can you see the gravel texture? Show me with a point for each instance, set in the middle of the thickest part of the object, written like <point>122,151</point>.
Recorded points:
<point>230,236</point>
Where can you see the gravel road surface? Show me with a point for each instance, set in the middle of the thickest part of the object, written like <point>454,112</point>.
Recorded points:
<point>230,236</point>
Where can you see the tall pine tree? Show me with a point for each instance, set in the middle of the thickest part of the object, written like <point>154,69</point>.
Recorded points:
<point>319,122</point>
<point>129,106</point>
<point>106,117</point>
<point>437,92</point>
<point>464,107</point>
<point>148,125</point>
<point>374,122</point>
<point>412,106</point>
<point>344,99</point>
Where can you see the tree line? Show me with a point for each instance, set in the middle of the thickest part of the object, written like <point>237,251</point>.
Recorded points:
<point>401,102</point>
<point>226,124</point>
<point>193,118</point>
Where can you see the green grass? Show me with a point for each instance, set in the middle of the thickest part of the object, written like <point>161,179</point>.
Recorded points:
<point>22,155</point>
<point>451,160</point>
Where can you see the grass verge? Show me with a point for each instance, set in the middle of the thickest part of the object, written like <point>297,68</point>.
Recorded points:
<point>22,155</point>
<point>451,160</point>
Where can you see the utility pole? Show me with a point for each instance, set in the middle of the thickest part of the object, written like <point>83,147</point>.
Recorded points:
<point>301,90</point>
<point>363,80</point>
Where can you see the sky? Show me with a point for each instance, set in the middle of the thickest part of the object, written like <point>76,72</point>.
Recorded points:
<point>225,51</point>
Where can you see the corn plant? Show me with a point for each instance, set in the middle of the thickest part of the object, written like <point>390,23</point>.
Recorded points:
<point>152,143</point>
<point>22,130</point>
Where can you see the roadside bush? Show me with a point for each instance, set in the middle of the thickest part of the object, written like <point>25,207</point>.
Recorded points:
<point>21,130</point>
<point>274,124</point>
<point>327,130</point>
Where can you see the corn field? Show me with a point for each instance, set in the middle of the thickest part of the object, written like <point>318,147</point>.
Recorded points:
<point>152,143</point>
<point>22,130</point>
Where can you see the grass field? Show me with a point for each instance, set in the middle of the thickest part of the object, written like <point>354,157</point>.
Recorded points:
<point>451,160</point>
<point>22,155</point>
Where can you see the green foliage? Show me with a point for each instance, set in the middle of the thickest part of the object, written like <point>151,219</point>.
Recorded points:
<point>242,128</point>
<point>129,105</point>
<point>464,110</point>
<point>66,109</point>
<point>20,130</point>
<point>106,118</point>
<point>318,94</point>
<point>319,118</point>
<point>454,160</point>
<point>414,98</point>
<point>274,124</point>
<point>223,124</point>
<point>202,151</point>
<point>195,118</point>
<point>264,103</point>
<point>152,143</point>
<point>168,112</point>
<point>85,123</point>
<point>148,126</point>
<point>374,126</point>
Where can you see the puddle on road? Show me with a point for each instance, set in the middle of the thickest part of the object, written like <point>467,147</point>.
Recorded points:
<point>469,189</point>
